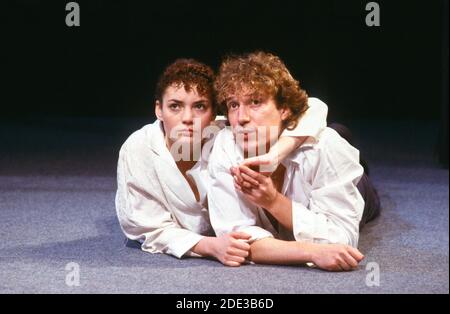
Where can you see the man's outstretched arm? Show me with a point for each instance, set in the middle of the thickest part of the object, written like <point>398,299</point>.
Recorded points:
<point>331,257</point>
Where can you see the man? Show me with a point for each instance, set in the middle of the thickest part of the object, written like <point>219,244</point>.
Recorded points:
<point>311,202</point>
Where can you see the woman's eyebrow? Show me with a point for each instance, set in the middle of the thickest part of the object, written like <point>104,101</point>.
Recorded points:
<point>201,101</point>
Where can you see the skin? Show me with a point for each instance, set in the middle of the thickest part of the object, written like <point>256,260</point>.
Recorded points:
<point>247,112</point>
<point>178,110</point>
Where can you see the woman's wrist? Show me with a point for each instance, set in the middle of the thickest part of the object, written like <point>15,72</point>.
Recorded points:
<point>205,246</point>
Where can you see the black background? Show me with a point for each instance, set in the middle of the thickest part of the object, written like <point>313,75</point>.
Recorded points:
<point>109,65</point>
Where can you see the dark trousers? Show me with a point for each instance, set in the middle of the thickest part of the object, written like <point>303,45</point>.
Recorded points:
<point>372,205</point>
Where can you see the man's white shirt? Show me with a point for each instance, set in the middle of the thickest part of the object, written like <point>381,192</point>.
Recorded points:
<point>321,181</point>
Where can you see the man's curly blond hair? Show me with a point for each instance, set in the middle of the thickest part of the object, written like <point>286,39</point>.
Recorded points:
<point>262,74</point>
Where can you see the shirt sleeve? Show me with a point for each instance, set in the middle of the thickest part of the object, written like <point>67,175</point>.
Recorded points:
<point>335,206</point>
<point>312,122</point>
<point>228,212</point>
<point>142,217</point>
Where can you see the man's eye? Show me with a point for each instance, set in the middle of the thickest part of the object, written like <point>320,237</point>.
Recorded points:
<point>174,106</point>
<point>256,101</point>
<point>233,105</point>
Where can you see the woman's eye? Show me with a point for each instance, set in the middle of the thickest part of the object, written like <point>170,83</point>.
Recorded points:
<point>200,106</point>
<point>256,101</point>
<point>174,106</point>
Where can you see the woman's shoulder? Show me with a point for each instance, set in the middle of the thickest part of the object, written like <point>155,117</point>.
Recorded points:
<point>142,136</point>
<point>141,141</point>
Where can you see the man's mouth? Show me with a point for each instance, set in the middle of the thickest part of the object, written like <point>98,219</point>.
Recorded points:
<point>245,131</point>
<point>246,134</point>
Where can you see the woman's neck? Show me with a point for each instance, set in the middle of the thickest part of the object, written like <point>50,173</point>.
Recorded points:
<point>184,166</point>
<point>184,161</point>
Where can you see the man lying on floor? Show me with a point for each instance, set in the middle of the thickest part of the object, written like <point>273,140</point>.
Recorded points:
<point>312,196</point>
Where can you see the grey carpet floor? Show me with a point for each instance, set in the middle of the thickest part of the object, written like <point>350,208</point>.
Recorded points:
<point>57,186</point>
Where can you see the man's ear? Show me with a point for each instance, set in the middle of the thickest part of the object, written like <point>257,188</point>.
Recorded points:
<point>285,114</point>
<point>158,110</point>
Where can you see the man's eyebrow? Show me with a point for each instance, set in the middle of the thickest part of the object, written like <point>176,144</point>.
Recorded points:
<point>175,100</point>
<point>230,98</point>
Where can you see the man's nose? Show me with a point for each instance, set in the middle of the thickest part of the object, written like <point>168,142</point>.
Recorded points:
<point>187,115</point>
<point>243,117</point>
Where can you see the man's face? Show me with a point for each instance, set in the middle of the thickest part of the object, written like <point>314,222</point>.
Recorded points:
<point>256,122</point>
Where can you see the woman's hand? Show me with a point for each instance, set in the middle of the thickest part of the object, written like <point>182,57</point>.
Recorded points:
<point>230,249</point>
<point>269,162</point>
<point>265,164</point>
<point>335,257</point>
<point>256,187</point>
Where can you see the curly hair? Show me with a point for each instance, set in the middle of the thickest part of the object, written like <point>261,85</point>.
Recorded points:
<point>263,74</point>
<point>190,74</point>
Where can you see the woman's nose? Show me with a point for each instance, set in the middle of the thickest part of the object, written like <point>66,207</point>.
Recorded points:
<point>187,115</point>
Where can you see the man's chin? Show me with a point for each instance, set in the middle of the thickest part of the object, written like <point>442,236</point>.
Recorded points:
<point>248,149</point>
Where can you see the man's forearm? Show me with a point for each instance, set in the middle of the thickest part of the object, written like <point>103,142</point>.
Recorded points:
<point>273,251</point>
<point>281,210</point>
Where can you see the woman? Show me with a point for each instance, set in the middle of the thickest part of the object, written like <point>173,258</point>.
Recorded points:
<point>161,198</point>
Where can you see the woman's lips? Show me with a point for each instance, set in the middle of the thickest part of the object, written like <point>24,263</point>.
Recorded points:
<point>187,132</point>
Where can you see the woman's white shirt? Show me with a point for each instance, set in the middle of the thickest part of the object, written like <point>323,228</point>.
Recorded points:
<point>155,204</point>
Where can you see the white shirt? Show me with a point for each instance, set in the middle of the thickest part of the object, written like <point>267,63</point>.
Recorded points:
<point>155,204</point>
<point>320,179</point>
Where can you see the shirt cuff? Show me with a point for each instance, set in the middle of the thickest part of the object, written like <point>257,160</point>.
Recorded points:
<point>183,246</point>
<point>256,233</point>
<point>308,225</point>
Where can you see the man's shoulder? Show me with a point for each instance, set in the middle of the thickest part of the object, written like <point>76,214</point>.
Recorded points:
<point>331,139</point>
<point>225,134</point>
<point>327,145</point>
<point>331,146</point>
<point>224,151</point>
<point>224,140</point>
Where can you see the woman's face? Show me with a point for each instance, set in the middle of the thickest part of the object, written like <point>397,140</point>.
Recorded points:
<point>184,114</point>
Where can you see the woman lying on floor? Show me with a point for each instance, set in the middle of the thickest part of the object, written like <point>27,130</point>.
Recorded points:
<point>163,179</point>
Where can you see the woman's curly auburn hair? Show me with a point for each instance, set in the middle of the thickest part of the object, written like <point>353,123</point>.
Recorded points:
<point>190,74</point>
<point>263,74</point>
